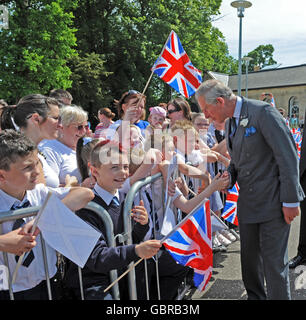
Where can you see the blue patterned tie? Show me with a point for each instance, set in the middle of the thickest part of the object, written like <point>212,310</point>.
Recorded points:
<point>17,224</point>
<point>115,200</point>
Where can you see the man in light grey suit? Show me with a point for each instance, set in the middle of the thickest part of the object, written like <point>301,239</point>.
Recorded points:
<point>265,165</point>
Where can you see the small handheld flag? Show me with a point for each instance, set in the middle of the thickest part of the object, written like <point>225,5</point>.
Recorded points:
<point>230,208</point>
<point>191,244</point>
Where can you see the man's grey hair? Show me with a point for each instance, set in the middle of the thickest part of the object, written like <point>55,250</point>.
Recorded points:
<point>212,89</point>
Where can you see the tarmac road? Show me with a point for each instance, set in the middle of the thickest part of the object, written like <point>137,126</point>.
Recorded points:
<point>226,283</point>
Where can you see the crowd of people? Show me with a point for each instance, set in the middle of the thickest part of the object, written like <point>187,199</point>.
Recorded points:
<point>46,143</point>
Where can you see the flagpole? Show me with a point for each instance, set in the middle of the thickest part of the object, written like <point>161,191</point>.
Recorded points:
<point>32,231</point>
<point>123,274</point>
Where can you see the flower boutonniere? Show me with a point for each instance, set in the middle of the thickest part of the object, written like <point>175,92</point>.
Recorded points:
<point>244,122</point>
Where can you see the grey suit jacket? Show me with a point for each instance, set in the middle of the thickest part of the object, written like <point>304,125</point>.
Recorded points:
<point>264,162</point>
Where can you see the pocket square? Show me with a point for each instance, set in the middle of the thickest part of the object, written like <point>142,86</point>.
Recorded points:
<point>249,131</point>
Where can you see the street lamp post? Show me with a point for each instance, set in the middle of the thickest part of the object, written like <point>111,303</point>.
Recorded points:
<point>246,61</point>
<point>240,5</point>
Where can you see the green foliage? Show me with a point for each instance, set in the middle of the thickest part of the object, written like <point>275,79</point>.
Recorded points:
<point>100,48</point>
<point>88,77</point>
<point>131,34</point>
<point>35,48</point>
<point>262,57</point>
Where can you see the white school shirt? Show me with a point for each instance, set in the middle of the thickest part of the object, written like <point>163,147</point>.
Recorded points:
<point>61,159</point>
<point>51,177</point>
<point>31,276</point>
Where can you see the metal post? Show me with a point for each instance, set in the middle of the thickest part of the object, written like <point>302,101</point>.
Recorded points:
<point>239,55</point>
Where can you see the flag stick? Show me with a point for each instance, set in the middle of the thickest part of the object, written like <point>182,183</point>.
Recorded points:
<point>219,219</point>
<point>32,231</point>
<point>123,274</point>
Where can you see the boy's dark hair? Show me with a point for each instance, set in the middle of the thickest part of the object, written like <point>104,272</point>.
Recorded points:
<point>13,145</point>
<point>60,94</point>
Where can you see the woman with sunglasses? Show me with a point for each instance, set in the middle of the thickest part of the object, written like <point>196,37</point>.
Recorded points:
<point>61,153</point>
<point>37,117</point>
<point>178,109</point>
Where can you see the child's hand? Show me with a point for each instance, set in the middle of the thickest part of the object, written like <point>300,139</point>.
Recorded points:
<point>220,182</point>
<point>181,184</point>
<point>171,188</point>
<point>153,156</point>
<point>71,181</point>
<point>140,214</point>
<point>148,248</point>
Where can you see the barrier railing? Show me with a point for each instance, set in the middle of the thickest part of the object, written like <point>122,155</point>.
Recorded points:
<point>127,237</point>
<point>32,211</point>
<point>19,214</point>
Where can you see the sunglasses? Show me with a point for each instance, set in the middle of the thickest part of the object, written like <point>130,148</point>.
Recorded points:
<point>175,110</point>
<point>130,92</point>
<point>80,127</point>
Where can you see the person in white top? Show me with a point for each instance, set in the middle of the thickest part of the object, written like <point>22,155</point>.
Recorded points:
<point>18,188</point>
<point>61,153</point>
<point>37,117</point>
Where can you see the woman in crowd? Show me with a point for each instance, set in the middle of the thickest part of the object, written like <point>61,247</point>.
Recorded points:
<point>61,153</point>
<point>106,117</point>
<point>178,109</point>
<point>130,109</point>
<point>37,117</point>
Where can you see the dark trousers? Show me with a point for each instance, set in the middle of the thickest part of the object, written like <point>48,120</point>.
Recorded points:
<point>171,275</point>
<point>39,292</point>
<point>264,256</point>
<point>302,238</point>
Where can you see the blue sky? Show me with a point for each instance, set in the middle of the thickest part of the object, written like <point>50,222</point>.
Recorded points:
<point>281,23</point>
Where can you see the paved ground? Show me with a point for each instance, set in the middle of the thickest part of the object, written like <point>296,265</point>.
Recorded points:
<point>226,280</point>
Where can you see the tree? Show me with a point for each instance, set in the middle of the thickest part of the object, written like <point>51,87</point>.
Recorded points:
<point>35,48</point>
<point>130,35</point>
<point>262,57</point>
<point>88,77</point>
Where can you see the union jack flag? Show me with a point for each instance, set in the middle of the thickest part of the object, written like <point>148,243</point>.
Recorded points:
<point>272,102</point>
<point>174,67</point>
<point>190,245</point>
<point>230,208</point>
<point>297,136</point>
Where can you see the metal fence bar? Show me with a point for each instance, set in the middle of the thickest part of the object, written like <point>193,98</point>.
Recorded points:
<point>9,216</point>
<point>128,203</point>
<point>44,252</point>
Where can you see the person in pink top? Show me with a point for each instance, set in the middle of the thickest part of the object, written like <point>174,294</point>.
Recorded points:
<point>105,116</point>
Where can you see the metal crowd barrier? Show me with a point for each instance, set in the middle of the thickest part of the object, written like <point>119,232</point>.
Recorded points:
<point>18,214</point>
<point>128,226</point>
<point>32,211</point>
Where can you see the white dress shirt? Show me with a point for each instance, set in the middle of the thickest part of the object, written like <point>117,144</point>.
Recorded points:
<point>31,276</point>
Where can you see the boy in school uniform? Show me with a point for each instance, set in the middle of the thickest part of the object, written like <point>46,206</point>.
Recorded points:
<point>19,173</point>
<point>109,166</point>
